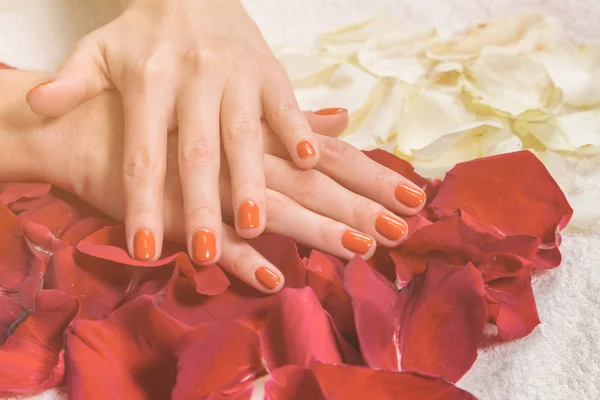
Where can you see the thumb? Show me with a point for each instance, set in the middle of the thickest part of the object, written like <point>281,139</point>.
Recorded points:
<point>78,80</point>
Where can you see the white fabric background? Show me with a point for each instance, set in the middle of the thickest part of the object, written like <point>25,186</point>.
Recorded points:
<point>561,358</point>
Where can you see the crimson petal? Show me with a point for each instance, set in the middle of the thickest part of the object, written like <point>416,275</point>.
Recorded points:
<point>441,317</point>
<point>292,382</point>
<point>373,299</point>
<point>512,192</point>
<point>31,359</point>
<point>131,354</point>
<point>13,191</point>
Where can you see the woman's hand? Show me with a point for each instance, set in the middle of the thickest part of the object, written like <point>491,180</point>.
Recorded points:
<point>205,65</point>
<point>340,207</point>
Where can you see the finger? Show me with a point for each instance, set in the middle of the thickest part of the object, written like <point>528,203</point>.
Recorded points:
<point>199,159</point>
<point>330,124</point>
<point>144,165</point>
<point>287,121</point>
<point>314,230</point>
<point>322,195</point>
<point>242,142</point>
<point>247,264</point>
<point>80,78</point>
<point>354,170</point>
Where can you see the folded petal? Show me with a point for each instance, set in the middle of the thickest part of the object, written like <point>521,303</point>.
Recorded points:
<point>373,298</point>
<point>298,331</point>
<point>496,192</point>
<point>441,317</point>
<point>517,313</point>
<point>340,382</point>
<point>215,357</point>
<point>13,191</point>
<point>31,359</point>
<point>130,354</point>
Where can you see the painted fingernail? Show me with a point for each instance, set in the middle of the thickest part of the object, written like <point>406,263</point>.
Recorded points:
<point>305,150</point>
<point>143,245</point>
<point>391,228</point>
<point>409,196</point>
<point>331,111</point>
<point>39,85</point>
<point>204,245</point>
<point>249,215</point>
<point>357,242</point>
<point>267,278</point>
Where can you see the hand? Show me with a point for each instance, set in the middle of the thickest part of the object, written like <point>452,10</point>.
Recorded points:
<point>204,64</point>
<point>315,207</point>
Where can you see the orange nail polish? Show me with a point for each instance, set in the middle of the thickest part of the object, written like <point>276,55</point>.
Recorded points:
<point>330,111</point>
<point>357,242</point>
<point>204,245</point>
<point>390,227</point>
<point>409,196</point>
<point>39,85</point>
<point>249,215</point>
<point>267,278</point>
<point>305,150</point>
<point>143,245</point>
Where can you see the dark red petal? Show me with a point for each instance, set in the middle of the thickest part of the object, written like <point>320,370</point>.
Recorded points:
<point>512,192</point>
<point>504,266</point>
<point>441,317</point>
<point>298,331</point>
<point>373,299</point>
<point>344,382</point>
<point>131,354</point>
<point>516,314</point>
<point>292,382</point>
<point>396,164</point>
<point>215,357</point>
<point>283,253</point>
<point>13,191</point>
<point>457,239</point>
<point>31,359</point>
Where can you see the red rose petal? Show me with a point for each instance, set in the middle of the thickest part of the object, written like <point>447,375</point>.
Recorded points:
<point>297,331</point>
<point>13,191</point>
<point>512,192</point>
<point>293,382</point>
<point>516,313</point>
<point>131,354</point>
<point>373,299</point>
<point>31,359</point>
<point>344,382</point>
<point>457,241</point>
<point>441,317</point>
<point>214,357</point>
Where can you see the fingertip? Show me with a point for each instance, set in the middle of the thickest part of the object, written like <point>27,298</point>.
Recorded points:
<point>143,246</point>
<point>269,279</point>
<point>53,98</point>
<point>205,247</point>
<point>306,156</point>
<point>250,221</point>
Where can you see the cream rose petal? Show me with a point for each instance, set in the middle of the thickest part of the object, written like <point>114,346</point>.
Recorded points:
<point>305,64</point>
<point>509,84</point>
<point>524,33</point>
<point>577,73</point>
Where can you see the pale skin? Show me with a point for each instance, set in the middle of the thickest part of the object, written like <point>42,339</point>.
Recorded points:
<point>319,207</point>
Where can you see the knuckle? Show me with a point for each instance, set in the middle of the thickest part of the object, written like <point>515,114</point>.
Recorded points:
<point>277,205</point>
<point>363,208</point>
<point>141,166</point>
<point>198,58</point>
<point>149,69</point>
<point>245,127</point>
<point>326,227</point>
<point>310,181</point>
<point>334,149</point>
<point>239,261</point>
<point>197,152</point>
<point>202,214</point>
<point>286,108</point>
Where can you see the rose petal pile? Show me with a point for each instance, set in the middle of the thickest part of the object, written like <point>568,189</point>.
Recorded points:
<point>500,86</point>
<point>75,310</point>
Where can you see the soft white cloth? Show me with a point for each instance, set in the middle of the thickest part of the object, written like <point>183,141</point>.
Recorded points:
<point>561,358</point>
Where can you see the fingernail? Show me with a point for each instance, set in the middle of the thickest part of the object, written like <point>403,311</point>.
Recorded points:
<point>409,196</point>
<point>390,227</point>
<point>267,278</point>
<point>39,85</point>
<point>143,245</point>
<point>305,149</point>
<point>249,215</point>
<point>357,242</point>
<point>330,111</point>
<point>204,245</point>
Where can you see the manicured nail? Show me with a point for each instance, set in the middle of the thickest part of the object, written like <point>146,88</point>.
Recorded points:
<point>204,245</point>
<point>267,278</point>
<point>357,242</point>
<point>330,111</point>
<point>409,196</point>
<point>143,245</point>
<point>391,228</point>
<point>249,215</point>
<point>39,85</point>
<point>305,150</point>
